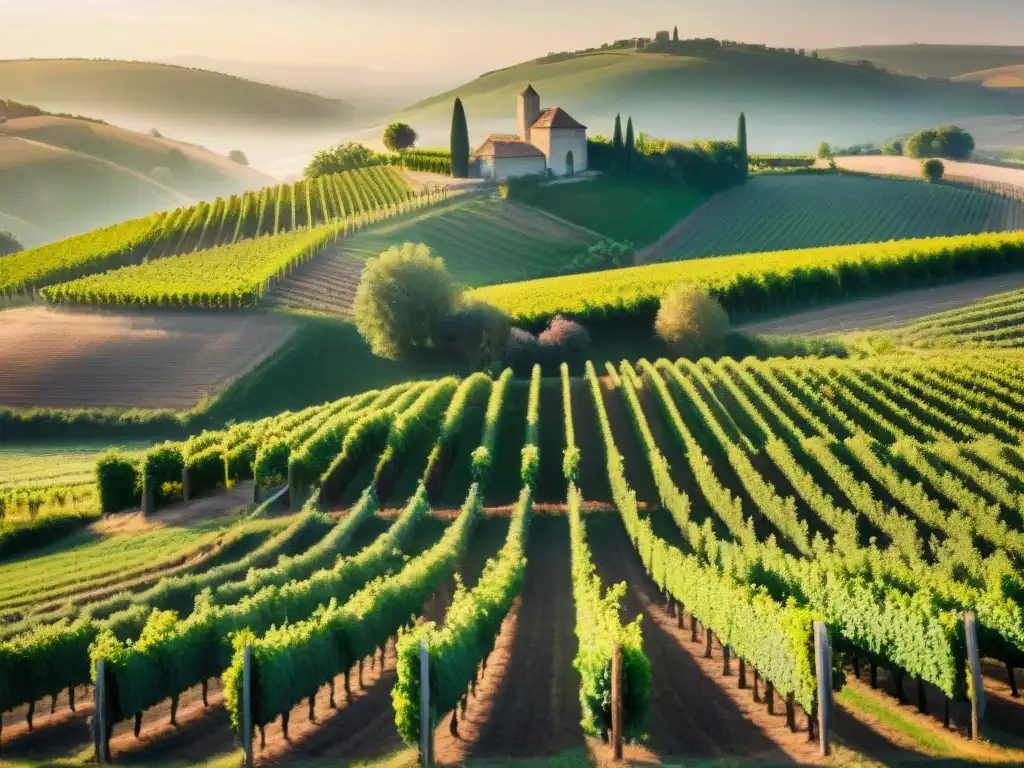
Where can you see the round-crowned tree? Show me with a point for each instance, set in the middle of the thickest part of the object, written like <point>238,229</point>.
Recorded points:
<point>564,340</point>
<point>476,332</point>
<point>8,243</point>
<point>399,136</point>
<point>404,296</point>
<point>238,156</point>
<point>691,321</point>
<point>933,170</point>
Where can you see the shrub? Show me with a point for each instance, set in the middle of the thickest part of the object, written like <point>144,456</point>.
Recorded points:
<point>404,296</point>
<point>162,468</point>
<point>824,150</point>
<point>565,341</point>
<point>117,480</point>
<point>238,156</point>
<point>605,254</point>
<point>342,157</point>
<point>894,147</point>
<point>690,321</point>
<point>399,136</point>
<point>155,133</point>
<point>476,332</point>
<point>933,170</point>
<point>522,351</point>
<point>948,141</point>
<point>8,243</point>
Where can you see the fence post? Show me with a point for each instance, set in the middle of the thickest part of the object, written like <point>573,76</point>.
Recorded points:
<point>100,726</point>
<point>425,735</point>
<point>974,663</point>
<point>617,702</point>
<point>247,727</point>
<point>147,495</point>
<point>185,484</point>
<point>823,668</point>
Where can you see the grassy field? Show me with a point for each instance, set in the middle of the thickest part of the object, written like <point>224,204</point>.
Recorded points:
<point>699,95</point>
<point>36,465</point>
<point>85,558</point>
<point>482,241</point>
<point>923,60</point>
<point>775,213</point>
<point>634,210</point>
<point>59,176</point>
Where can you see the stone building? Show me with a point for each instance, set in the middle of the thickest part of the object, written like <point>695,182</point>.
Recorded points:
<point>547,140</point>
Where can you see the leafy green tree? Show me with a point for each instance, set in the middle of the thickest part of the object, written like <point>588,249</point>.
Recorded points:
<point>342,157</point>
<point>628,148</point>
<point>948,141</point>
<point>741,137</point>
<point>825,150</point>
<point>933,170</point>
<point>238,156</point>
<point>675,34</point>
<point>9,243</point>
<point>399,137</point>
<point>459,141</point>
<point>404,296</point>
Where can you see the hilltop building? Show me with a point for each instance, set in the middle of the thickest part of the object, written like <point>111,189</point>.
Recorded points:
<point>548,140</point>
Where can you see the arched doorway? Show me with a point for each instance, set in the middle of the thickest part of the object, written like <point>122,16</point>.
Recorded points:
<point>570,167</point>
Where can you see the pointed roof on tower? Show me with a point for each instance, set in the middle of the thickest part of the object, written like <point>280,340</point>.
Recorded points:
<point>528,91</point>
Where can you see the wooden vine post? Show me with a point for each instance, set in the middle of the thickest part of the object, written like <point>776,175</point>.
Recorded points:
<point>147,494</point>
<point>185,483</point>
<point>426,737</point>
<point>101,716</point>
<point>247,726</point>
<point>977,690</point>
<point>823,668</point>
<point>617,702</point>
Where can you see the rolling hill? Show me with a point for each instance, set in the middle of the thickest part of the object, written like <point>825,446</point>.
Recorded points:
<point>114,89</point>
<point>61,176</point>
<point>1000,77</point>
<point>923,60</point>
<point>792,102</point>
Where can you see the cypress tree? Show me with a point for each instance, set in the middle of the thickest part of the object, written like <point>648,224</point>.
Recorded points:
<point>459,142</point>
<point>675,34</point>
<point>617,141</point>
<point>741,140</point>
<point>628,148</point>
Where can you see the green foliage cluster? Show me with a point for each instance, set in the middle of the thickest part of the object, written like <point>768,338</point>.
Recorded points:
<point>992,322</point>
<point>947,141</point>
<point>399,137</point>
<point>529,465</point>
<point>9,243</point>
<point>933,170</point>
<point>118,482</point>
<point>751,283</point>
<point>467,635</point>
<point>346,156</point>
<point>482,457</point>
<point>80,255</point>
<point>691,322</point>
<point>340,633</point>
<point>598,627</point>
<point>403,298</point>
<point>604,254</point>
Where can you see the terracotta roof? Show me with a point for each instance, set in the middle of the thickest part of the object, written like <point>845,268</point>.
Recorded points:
<point>556,117</point>
<point>506,145</point>
<point>527,91</point>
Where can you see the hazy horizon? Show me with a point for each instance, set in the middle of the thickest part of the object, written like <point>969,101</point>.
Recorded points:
<point>464,38</point>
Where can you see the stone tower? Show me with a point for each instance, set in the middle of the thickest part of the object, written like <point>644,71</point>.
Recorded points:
<point>527,112</point>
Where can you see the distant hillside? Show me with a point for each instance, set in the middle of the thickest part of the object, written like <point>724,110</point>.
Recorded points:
<point>369,91</point>
<point>1000,77</point>
<point>792,102</point>
<point>113,89</point>
<point>923,60</point>
<point>61,176</point>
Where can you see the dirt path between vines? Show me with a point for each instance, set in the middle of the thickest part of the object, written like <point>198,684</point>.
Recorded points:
<point>527,701</point>
<point>889,311</point>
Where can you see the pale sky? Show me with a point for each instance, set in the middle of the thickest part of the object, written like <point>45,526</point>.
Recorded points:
<point>470,36</point>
